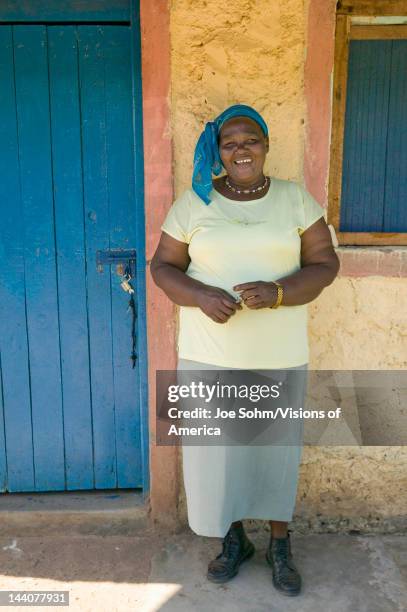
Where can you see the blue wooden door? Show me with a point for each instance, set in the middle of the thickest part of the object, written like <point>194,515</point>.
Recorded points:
<point>70,408</point>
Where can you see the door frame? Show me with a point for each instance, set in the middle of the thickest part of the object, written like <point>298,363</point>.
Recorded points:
<point>112,12</point>
<point>159,194</point>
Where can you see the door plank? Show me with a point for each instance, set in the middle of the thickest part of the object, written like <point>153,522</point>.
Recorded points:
<point>13,329</point>
<point>395,209</point>
<point>31,70</point>
<point>120,166</point>
<point>70,243</point>
<point>92,85</point>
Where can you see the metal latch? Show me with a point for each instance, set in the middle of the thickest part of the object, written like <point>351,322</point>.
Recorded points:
<point>121,258</point>
<point>125,262</point>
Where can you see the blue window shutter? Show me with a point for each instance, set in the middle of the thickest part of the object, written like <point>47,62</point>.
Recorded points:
<point>365,138</point>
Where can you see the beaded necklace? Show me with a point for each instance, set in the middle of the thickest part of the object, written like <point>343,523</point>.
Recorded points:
<point>246,191</point>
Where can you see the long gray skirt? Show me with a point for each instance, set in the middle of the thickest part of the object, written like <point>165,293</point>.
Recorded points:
<point>231,483</point>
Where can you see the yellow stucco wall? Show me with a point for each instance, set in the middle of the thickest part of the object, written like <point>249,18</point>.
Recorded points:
<point>242,51</point>
<point>253,52</point>
<point>356,323</point>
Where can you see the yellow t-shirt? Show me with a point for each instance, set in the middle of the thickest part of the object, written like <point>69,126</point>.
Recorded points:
<point>234,242</point>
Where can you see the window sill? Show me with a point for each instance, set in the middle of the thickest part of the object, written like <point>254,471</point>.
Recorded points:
<point>389,261</point>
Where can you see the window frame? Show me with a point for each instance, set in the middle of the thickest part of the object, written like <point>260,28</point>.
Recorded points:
<point>346,31</point>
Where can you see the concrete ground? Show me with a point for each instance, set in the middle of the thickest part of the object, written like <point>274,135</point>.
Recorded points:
<point>148,572</point>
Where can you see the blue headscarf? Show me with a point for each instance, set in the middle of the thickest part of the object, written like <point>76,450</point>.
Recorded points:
<point>207,160</point>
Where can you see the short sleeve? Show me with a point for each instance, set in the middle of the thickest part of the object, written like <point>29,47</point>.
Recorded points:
<point>311,211</point>
<point>177,221</point>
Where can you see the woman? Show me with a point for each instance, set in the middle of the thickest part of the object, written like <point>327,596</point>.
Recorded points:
<point>242,255</point>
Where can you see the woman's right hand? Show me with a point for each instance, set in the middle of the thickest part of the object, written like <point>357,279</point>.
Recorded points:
<point>216,303</point>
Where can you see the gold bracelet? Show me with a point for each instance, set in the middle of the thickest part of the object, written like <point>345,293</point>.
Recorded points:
<point>280,293</point>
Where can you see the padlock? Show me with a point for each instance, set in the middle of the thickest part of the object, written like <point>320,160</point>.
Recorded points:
<point>125,285</point>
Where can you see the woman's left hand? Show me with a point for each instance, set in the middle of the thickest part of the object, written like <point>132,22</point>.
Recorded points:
<point>257,294</point>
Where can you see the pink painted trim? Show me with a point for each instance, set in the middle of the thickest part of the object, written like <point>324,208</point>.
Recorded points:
<point>373,261</point>
<point>317,86</point>
<point>161,320</point>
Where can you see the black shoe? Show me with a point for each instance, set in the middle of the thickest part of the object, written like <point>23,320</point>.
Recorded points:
<point>236,549</point>
<point>286,578</point>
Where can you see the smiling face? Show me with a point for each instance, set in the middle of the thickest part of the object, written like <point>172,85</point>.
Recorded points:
<point>243,148</point>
